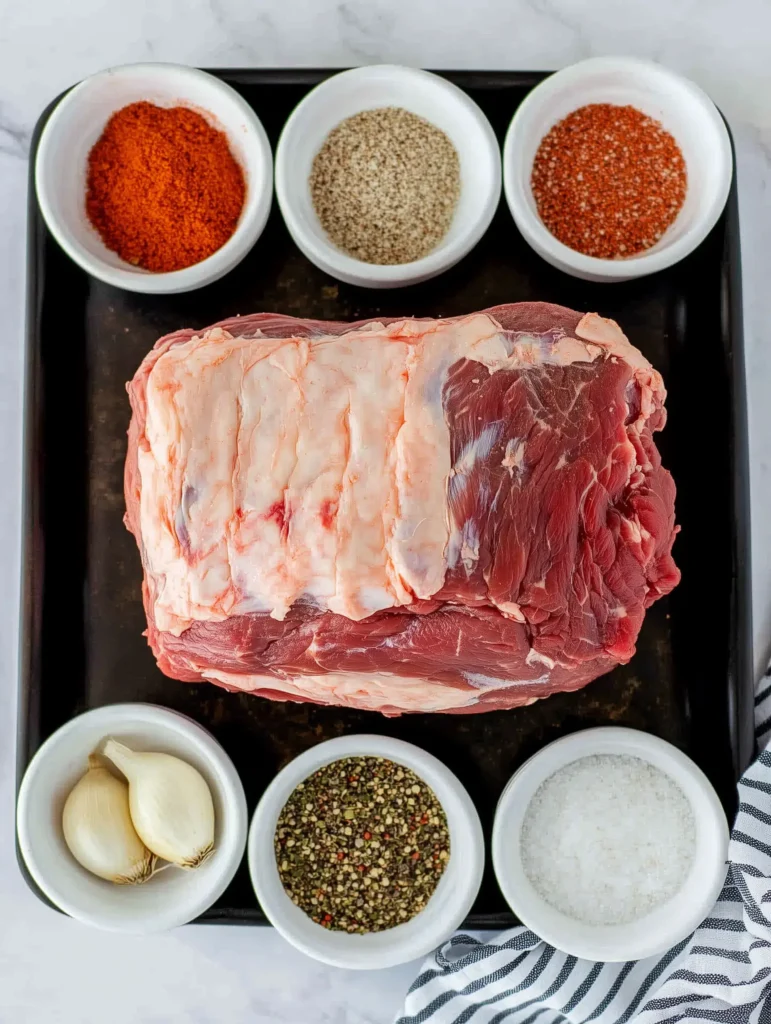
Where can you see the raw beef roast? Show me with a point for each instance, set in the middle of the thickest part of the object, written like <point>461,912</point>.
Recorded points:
<point>405,515</point>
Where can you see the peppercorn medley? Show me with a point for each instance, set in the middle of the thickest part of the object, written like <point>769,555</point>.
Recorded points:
<point>608,180</point>
<point>361,845</point>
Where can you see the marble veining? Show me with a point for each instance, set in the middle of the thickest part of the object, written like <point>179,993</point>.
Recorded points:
<point>51,968</point>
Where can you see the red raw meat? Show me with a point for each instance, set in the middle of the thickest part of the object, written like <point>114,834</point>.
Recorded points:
<point>560,517</point>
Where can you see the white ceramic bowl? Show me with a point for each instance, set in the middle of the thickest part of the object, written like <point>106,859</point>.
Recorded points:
<point>444,912</point>
<point>172,897</point>
<point>424,94</point>
<point>667,924</point>
<point>76,124</point>
<point>683,109</point>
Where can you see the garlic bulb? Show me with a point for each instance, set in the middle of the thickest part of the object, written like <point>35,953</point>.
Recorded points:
<point>98,830</point>
<point>170,802</point>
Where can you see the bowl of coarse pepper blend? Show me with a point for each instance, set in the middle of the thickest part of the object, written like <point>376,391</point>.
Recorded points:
<point>156,178</point>
<point>615,168</point>
<point>366,852</point>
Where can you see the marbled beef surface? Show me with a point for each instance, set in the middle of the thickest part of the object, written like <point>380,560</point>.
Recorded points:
<point>407,515</point>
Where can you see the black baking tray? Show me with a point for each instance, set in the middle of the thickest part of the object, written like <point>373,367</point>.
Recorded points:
<point>82,618</point>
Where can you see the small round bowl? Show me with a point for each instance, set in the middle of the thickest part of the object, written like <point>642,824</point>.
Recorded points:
<point>682,108</point>
<point>385,85</point>
<point>170,898</point>
<point>451,901</point>
<point>668,923</point>
<point>76,124</point>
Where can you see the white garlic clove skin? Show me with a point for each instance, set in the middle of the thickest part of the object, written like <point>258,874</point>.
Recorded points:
<point>170,802</point>
<point>98,830</point>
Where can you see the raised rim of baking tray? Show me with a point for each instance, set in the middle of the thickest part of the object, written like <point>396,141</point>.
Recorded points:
<point>740,680</point>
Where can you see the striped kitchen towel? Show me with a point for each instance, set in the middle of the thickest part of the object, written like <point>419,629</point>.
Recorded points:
<point>721,973</point>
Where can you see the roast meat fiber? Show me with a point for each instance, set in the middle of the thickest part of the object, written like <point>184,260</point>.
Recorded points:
<point>399,515</point>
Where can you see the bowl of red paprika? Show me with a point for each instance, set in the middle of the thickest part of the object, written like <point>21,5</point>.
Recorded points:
<point>615,168</point>
<point>155,178</point>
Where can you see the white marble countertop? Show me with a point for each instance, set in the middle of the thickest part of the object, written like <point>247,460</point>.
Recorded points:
<point>52,969</point>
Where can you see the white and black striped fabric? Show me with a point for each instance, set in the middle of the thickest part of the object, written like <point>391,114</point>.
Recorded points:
<point>721,973</point>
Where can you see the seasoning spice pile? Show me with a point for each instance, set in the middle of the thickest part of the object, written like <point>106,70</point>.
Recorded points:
<point>607,839</point>
<point>164,190</point>
<point>361,845</point>
<point>385,185</point>
<point>608,181</point>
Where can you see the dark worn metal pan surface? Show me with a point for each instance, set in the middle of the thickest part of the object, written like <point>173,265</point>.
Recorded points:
<point>82,645</point>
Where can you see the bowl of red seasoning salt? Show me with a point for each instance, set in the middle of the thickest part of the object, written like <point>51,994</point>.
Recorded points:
<point>610,844</point>
<point>155,178</point>
<point>615,168</point>
<point>365,852</point>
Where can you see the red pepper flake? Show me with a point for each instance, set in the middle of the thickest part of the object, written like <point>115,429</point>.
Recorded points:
<point>326,918</point>
<point>386,835</point>
<point>415,855</point>
<point>341,855</point>
<point>367,835</point>
<point>423,820</point>
<point>361,868</point>
<point>608,180</point>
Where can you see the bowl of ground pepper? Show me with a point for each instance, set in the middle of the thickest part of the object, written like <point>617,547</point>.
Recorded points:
<point>615,168</point>
<point>155,178</point>
<point>365,852</point>
<point>387,176</point>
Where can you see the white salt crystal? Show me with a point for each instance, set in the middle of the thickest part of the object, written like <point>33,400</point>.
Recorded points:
<point>608,838</point>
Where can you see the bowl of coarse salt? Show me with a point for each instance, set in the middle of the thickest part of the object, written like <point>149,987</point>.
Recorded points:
<point>387,176</point>
<point>610,844</point>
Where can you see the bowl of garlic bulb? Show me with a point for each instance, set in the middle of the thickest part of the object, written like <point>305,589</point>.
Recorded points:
<point>132,818</point>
